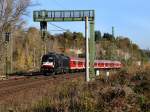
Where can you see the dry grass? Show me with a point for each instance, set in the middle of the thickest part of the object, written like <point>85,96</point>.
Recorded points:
<point>123,92</point>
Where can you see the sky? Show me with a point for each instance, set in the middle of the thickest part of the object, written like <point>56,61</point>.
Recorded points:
<point>129,17</point>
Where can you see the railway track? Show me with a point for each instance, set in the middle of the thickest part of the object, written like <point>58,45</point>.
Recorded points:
<point>12,86</point>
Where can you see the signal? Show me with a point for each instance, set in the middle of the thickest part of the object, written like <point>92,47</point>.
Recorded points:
<point>7,36</point>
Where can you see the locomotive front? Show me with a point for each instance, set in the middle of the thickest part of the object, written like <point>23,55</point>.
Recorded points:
<point>48,63</point>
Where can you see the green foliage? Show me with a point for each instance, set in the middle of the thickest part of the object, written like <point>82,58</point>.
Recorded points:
<point>120,48</point>
<point>108,36</point>
<point>28,48</point>
<point>98,36</point>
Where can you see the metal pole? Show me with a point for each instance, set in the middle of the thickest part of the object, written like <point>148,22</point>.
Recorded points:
<point>34,58</point>
<point>45,46</point>
<point>113,44</point>
<point>92,50</point>
<point>87,50</point>
<point>11,50</point>
<point>113,31</point>
<point>43,26</point>
<point>6,59</point>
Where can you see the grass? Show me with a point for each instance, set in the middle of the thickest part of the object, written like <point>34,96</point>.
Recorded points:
<point>124,92</point>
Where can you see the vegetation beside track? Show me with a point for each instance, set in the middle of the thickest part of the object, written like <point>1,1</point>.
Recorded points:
<point>124,91</point>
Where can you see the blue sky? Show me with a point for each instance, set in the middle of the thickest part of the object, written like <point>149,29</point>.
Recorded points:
<point>129,17</point>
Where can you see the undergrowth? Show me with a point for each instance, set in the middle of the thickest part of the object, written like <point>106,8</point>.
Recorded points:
<point>123,92</point>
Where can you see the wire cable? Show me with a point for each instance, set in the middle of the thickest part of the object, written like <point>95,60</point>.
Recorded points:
<point>60,5</point>
<point>62,29</point>
<point>56,30</point>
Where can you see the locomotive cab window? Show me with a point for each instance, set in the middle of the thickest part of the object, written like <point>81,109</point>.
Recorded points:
<point>50,59</point>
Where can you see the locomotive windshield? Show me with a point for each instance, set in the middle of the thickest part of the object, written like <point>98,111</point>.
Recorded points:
<point>47,58</point>
<point>50,59</point>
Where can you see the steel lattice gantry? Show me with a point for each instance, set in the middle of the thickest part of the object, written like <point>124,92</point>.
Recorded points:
<point>63,15</point>
<point>44,16</point>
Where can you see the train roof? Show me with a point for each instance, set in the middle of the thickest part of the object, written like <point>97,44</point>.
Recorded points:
<point>99,61</point>
<point>53,53</point>
<point>107,61</point>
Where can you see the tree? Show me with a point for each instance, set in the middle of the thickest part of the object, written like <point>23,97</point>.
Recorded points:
<point>34,51</point>
<point>108,36</point>
<point>123,42</point>
<point>78,39</point>
<point>97,36</point>
<point>11,12</point>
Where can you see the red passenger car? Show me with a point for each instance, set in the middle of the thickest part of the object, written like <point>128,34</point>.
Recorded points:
<point>78,64</point>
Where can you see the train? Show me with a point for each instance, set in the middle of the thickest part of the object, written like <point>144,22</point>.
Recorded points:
<point>55,63</point>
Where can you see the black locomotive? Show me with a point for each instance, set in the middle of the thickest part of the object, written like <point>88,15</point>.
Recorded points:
<point>55,63</point>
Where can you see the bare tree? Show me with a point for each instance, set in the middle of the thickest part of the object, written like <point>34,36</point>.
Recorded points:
<point>11,12</point>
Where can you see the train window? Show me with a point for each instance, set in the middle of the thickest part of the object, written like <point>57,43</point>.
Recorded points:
<point>80,63</point>
<point>50,59</point>
<point>74,62</point>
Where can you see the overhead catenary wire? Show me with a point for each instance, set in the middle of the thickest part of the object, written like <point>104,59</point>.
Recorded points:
<point>62,29</point>
<point>56,30</point>
<point>57,2</point>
